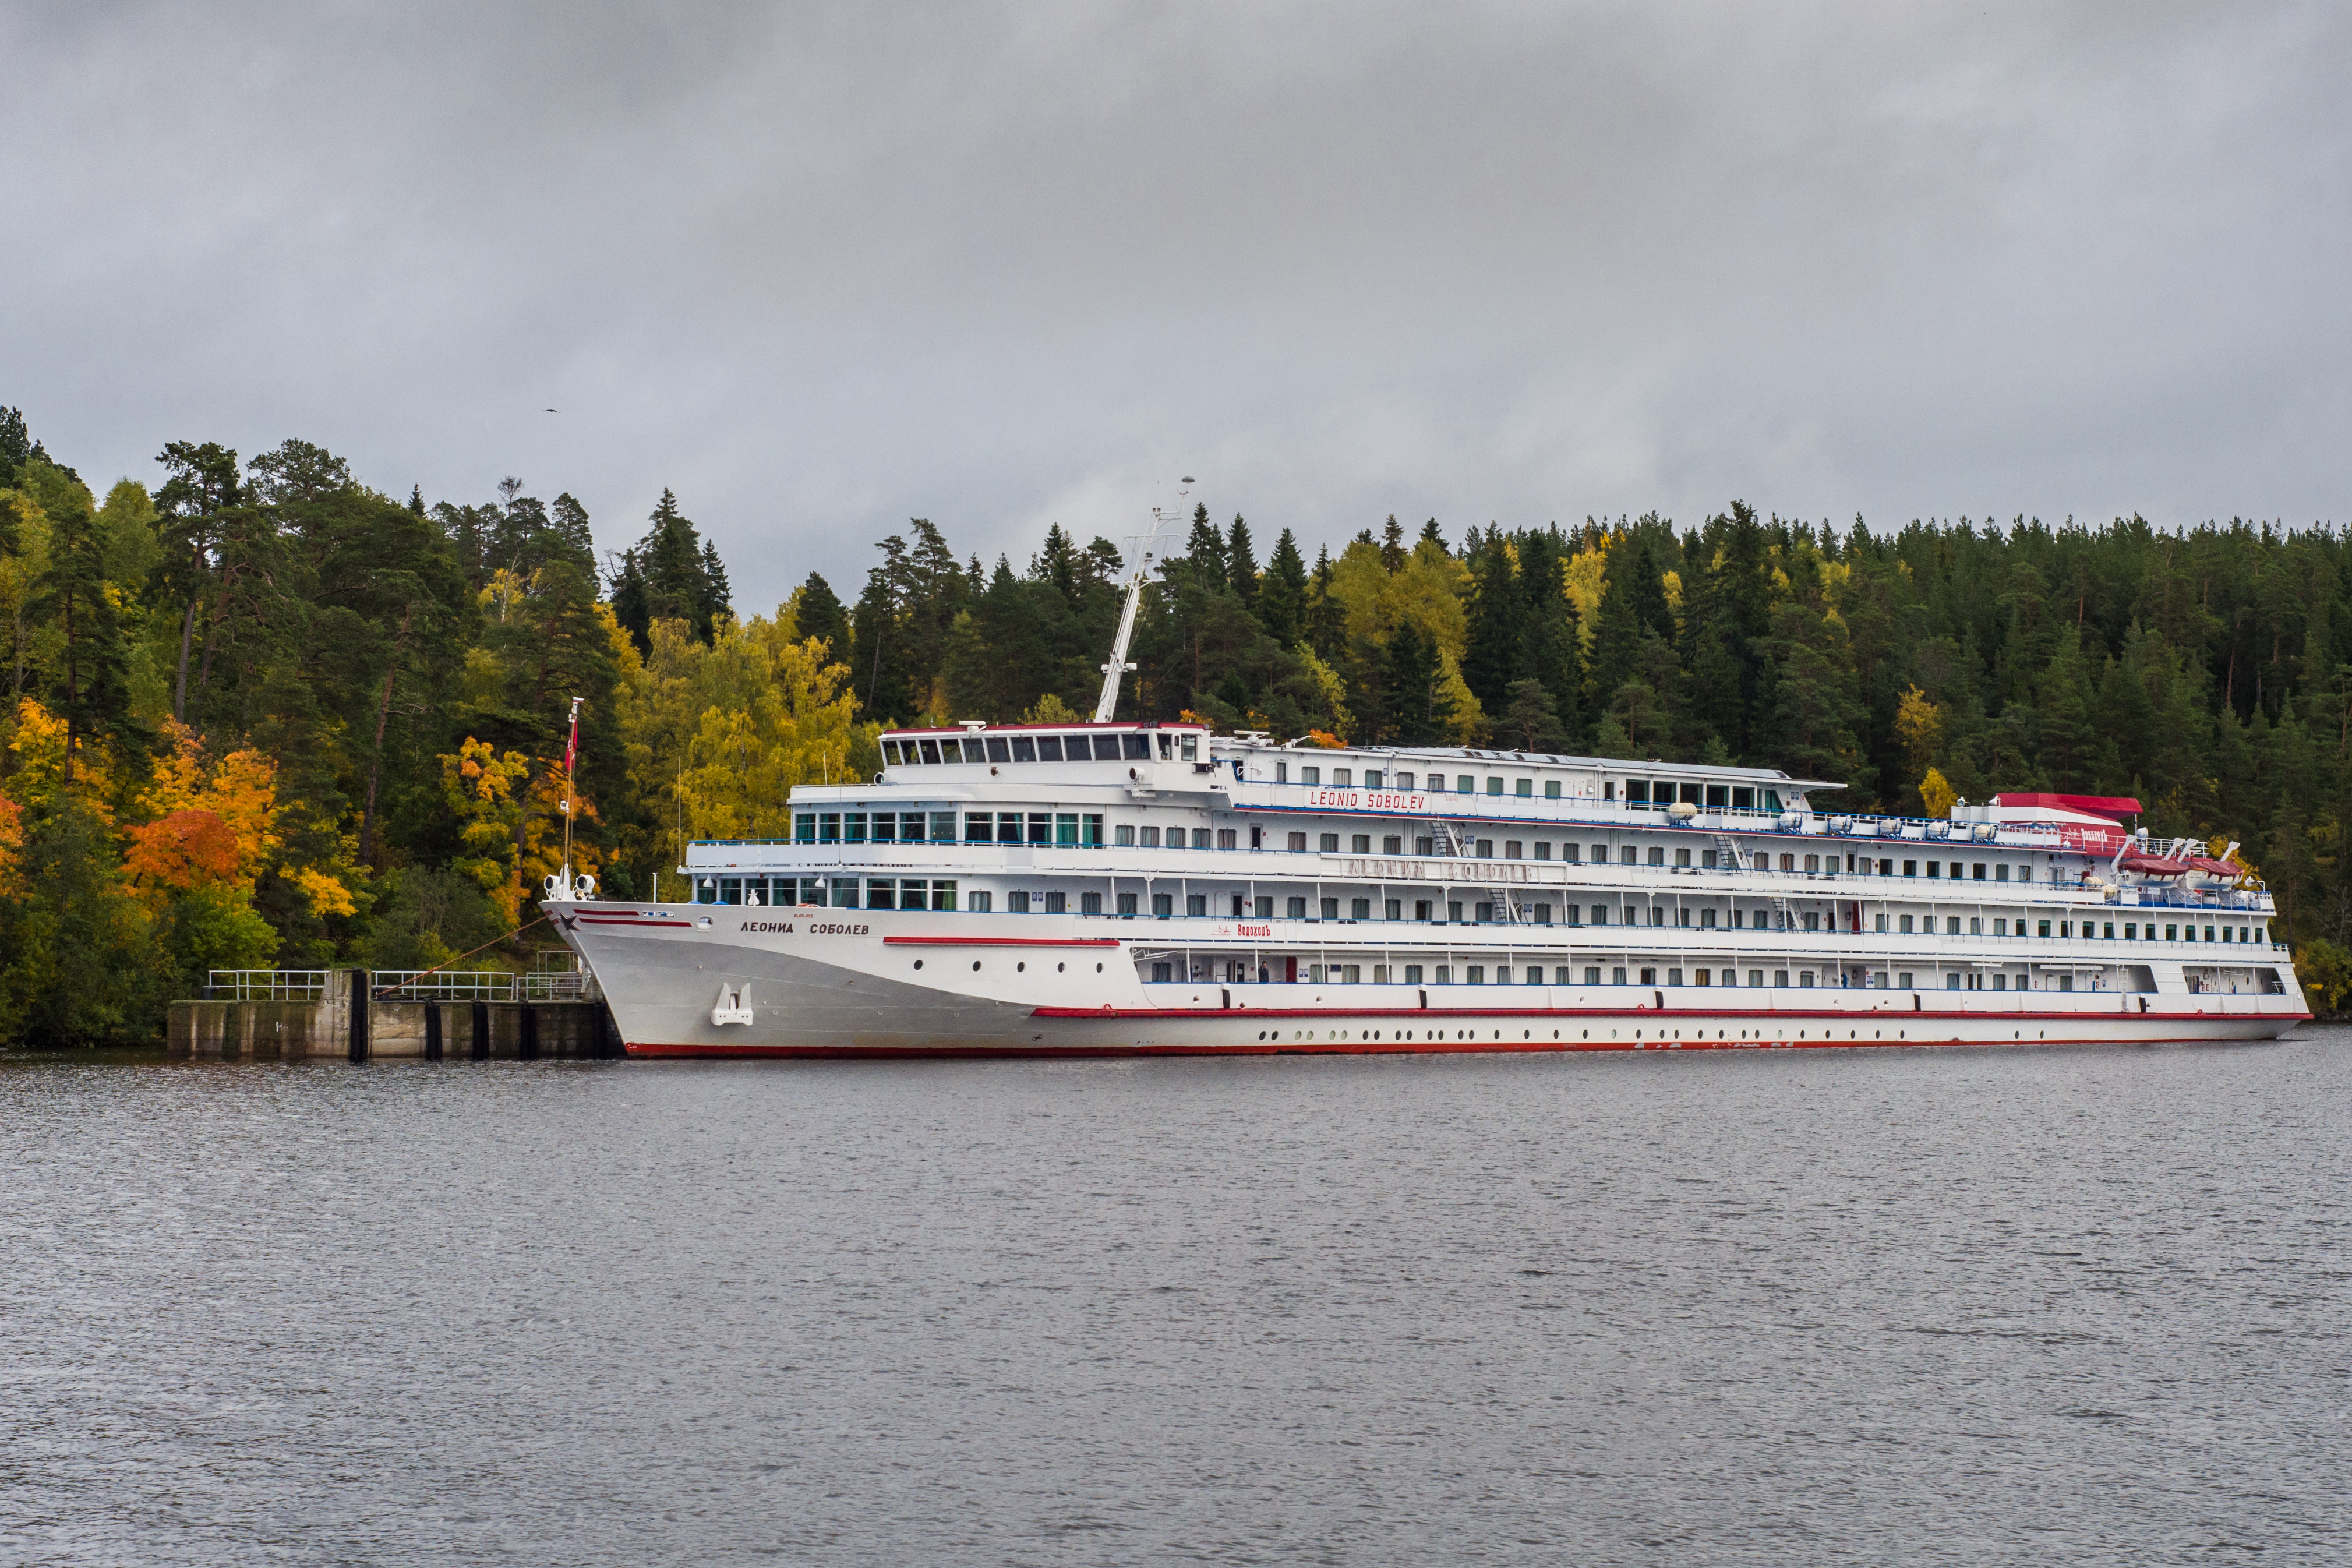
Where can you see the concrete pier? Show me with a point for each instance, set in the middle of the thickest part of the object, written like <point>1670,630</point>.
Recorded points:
<point>452,1031</point>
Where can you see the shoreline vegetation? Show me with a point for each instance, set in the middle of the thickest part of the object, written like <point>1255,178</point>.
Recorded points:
<point>259,713</point>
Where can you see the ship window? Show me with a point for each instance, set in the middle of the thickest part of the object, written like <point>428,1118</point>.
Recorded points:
<point>1263,907</point>
<point>1188,749</point>
<point>1106,748</point>
<point>1127,835</point>
<point>1907,925</point>
<point>1878,923</point>
<point>1371,778</point>
<point>1657,857</point>
<point>1024,748</point>
<point>1412,974</point>
<point>1771,800</point>
<point>1361,844</point>
<point>1465,785</point>
<point>1637,792</point>
<point>1310,775</point>
<point>1281,773</point>
<point>1494,786</point>
<point>1543,850</point>
<point>886,827</point>
<point>1137,748</point>
<point>1359,909</point>
<point>1091,830</point>
<point>1475,975</point>
<point>1706,918</point>
<point>1910,867</point>
<point>1526,788</point>
<point>854,828</point>
<point>1298,843</point>
<point>2042,927</point>
<point>2000,873</point>
<point>2025,873</point>
<point>930,751</point>
<point>1066,829</point>
<point>1682,859</point>
<point>1016,903</point>
<point>828,827</point>
<point>1293,908</point>
<point>1393,845</point>
<point>890,751</point>
<point>1743,797</point>
<point>1486,849</point>
<point>1049,749</point>
<point>1196,905</point>
<point>1717,796</point>
<point>1329,842</point>
<point>1404,781</point>
<point>2171,933</point>
<point>1057,904</point>
<point>980,903</point>
<point>882,893</point>
<point>1167,748</point>
<point>805,827</point>
<point>1804,979</point>
<point>1952,925</point>
<point>998,751</point>
<point>1124,904</point>
<point>1903,980</point>
<point>1977,872</point>
<point>1551,789</point>
<point>1041,827</point>
<point>1932,869</point>
<point>1331,909</point>
<point>1423,909</point>
<point>2108,935</point>
<point>1151,836</point>
<point>1616,977</point>
<point>1341,777</point>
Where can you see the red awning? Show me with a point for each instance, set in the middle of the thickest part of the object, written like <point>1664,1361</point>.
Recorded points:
<point>2216,867</point>
<point>2115,805</point>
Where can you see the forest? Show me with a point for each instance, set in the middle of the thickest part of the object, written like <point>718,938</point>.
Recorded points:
<point>261,714</point>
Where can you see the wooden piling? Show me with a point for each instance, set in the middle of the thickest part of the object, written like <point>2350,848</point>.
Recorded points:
<point>433,1031</point>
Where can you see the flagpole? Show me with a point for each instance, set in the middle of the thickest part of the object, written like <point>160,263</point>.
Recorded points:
<point>571,751</point>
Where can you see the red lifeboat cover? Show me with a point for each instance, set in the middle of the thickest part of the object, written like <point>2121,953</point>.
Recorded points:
<point>2157,866</point>
<point>2216,867</point>
<point>2117,806</point>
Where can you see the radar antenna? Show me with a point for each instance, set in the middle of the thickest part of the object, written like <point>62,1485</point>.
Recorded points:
<point>1141,551</point>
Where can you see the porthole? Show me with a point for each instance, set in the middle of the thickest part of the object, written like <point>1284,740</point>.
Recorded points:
<point>1097,969</point>
<point>1059,967</point>
<point>975,966</point>
<point>1019,969</point>
<point>919,964</point>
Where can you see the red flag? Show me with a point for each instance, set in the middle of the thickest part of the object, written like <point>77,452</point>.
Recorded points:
<point>571,747</point>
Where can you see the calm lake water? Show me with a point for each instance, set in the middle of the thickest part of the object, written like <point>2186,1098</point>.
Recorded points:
<point>2030,1307</point>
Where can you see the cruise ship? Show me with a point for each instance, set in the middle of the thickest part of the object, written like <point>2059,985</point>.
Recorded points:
<point>1108,888</point>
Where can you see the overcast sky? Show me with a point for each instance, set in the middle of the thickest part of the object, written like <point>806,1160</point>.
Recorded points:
<point>819,268</point>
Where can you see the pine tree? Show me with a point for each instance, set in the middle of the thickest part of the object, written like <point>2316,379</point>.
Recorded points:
<point>1497,622</point>
<point>1392,551</point>
<point>90,685</point>
<point>1205,550</point>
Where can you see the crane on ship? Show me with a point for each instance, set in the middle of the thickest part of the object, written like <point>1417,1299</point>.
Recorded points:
<point>1142,550</point>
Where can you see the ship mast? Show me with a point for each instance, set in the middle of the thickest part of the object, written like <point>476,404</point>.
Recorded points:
<point>1141,553</point>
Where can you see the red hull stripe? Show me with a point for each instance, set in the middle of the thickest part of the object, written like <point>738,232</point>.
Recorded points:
<point>1359,1048</point>
<point>1884,1014</point>
<point>1000,941</point>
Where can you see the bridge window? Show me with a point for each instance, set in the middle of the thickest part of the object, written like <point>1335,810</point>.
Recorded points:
<point>998,752</point>
<point>1138,748</point>
<point>1024,748</point>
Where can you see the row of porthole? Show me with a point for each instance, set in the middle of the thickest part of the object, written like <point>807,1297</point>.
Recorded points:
<point>1303,1034</point>
<point>1020,968</point>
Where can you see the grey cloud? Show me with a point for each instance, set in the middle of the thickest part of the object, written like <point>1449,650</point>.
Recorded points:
<point>818,269</point>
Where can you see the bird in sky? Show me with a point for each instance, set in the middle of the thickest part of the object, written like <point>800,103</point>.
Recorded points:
<point>555,411</point>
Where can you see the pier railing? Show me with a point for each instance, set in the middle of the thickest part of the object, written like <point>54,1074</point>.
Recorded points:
<point>266,985</point>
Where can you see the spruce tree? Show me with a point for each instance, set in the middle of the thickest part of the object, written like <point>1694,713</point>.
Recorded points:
<point>817,612</point>
<point>91,686</point>
<point>1282,599</point>
<point>1241,563</point>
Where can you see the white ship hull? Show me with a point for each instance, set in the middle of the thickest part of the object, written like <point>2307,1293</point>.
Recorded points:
<point>699,981</point>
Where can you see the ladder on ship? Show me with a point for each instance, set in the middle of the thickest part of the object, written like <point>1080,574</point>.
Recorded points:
<point>1509,912</point>
<point>1729,846</point>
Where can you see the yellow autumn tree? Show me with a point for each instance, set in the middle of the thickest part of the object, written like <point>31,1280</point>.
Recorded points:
<point>478,784</point>
<point>1938,795</point>
<point>745,762</point>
